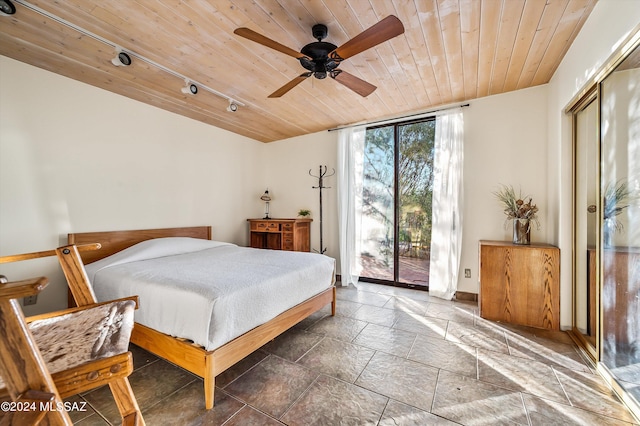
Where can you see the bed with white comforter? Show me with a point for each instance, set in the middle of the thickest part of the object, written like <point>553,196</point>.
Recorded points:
<point>208,291</point>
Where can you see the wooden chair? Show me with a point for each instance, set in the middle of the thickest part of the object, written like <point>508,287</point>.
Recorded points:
<point>47,358</point>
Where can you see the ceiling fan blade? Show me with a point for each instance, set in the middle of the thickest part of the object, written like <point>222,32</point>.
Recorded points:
<point>265,41</point>
<point>290,85</point>
<point>354,83</point>
<point>384,30</point>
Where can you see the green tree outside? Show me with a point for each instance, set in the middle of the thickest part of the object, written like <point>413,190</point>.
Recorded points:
<point>415,186</point>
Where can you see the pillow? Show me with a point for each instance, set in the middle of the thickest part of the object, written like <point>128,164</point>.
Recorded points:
<point>151,249</point>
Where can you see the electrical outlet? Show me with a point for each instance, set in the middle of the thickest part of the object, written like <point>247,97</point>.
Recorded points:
<point>30,300</point>
<point>467,273</point>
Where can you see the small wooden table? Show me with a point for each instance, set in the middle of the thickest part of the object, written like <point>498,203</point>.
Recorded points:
<point>280,234</point>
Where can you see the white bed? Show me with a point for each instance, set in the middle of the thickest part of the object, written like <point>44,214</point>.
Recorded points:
<point>190,324</point>
<point>206,291</point>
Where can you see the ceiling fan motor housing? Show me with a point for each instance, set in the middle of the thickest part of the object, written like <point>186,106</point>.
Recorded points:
<point>319,32</point>
<point>320,62</point>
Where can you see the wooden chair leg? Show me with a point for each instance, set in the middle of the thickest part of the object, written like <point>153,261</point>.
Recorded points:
<point>126,402</point>
<point>132,419</point>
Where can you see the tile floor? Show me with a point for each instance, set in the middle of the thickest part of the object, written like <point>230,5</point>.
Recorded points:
<point>390,356</point>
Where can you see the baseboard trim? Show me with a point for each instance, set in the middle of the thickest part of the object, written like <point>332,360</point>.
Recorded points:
<point>469,297</point>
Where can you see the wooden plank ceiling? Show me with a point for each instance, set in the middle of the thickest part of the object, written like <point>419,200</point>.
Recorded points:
<point>451,51</point>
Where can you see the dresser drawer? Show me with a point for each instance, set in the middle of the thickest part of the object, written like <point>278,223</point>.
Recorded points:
<point>265,226</point>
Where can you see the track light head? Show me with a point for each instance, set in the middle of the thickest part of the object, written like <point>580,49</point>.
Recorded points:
<point>7,8</point>
<point>233,107</point>
<point>121,59</point>
<point>189,89</point>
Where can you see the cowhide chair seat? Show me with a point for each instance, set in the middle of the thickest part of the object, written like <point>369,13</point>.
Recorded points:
<point>76,338</point>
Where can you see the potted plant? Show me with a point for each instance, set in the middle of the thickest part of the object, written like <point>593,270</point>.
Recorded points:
<point>304,213</point>
<point>520,210</point>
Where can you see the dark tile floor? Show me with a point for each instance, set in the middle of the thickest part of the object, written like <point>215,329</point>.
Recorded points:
<point>389,357</point>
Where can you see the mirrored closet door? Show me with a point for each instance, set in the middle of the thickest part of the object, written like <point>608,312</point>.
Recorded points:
<point>606,221</point>
<point>620,223</point>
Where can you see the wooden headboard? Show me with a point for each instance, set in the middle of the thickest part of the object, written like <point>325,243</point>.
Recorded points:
<point>114,241</point>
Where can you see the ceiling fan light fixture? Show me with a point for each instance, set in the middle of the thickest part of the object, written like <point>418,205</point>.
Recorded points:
<point>7,8</point>
<point>121,59</point>
<point>320,74</point>
<point>330,65</point>
<point>307,63</point>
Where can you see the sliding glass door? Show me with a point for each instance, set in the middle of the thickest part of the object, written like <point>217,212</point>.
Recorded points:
<point>606,261</point>
<point>396,214</point>
<point>620,225</point>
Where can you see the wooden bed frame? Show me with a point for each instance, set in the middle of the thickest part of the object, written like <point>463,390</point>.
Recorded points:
<point>191,357</point>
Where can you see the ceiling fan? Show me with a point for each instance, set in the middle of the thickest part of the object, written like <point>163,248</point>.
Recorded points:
<point>321,58</point>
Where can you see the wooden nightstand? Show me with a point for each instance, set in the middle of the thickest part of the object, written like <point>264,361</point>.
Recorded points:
<point>280,234</point>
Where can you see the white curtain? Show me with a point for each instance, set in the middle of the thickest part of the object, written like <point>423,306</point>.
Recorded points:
<point>350,168</point>
<point>446,232</point>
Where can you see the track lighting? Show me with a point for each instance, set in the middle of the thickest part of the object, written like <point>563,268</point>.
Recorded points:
<point>233,107</point>
<point>7,8</point>
<point>121,59</point>
<point>189,88</point>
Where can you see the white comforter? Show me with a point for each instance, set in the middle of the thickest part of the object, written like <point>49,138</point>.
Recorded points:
<point>208,291</point>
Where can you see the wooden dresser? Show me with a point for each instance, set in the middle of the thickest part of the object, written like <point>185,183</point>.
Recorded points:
<point>520,284</point>
<point>280,234</point>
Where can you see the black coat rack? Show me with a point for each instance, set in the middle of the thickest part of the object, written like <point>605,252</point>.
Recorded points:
<point>321,175</point>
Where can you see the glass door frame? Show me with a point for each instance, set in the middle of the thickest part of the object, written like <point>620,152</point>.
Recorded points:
<point>397,206</point>
<point>589,97</point>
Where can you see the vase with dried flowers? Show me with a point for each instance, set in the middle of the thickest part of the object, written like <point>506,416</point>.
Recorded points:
<point>519,210</point>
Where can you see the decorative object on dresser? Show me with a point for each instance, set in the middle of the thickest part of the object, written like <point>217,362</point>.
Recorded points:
<point>519,284</point>
<point>322,173</point>
<point>266,198</point>
<point>280,234</point>
<point>520,211</point>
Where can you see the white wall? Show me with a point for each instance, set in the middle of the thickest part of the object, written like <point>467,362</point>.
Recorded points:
<point>609,23</point>
<point>75,158</point>
<point>291,186</point>
<point>505,144</point>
